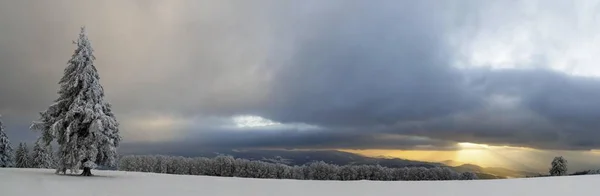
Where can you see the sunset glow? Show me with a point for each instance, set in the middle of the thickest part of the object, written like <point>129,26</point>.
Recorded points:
<point>482,155</point>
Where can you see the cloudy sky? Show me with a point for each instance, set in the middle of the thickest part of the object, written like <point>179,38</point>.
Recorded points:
<point>516,77</point>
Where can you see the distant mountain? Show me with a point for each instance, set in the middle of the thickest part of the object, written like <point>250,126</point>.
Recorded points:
<point>300,157</point>
<point>452,163</point>
<point>494,171</point>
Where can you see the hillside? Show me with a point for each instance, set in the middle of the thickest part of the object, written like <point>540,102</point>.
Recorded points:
<point>19,182</point>
<point>492,172</point>
<point>300,157</point>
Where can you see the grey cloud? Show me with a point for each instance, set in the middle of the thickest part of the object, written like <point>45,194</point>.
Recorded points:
<point>532,108</point>
<point>571,105</point>
<point>151,55</point>
<point>371,64</point>
<point>361,70</point>
<point>291,139</point>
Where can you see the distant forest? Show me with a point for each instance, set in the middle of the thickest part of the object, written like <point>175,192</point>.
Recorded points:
<point>228,166</point>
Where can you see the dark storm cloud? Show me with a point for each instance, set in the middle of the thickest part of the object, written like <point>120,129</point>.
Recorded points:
<point>289,139</point>
<point>556,96</point>
<point>316,140</point>
<point>367,73</point>
<point>533,108</point>
<point>371,64</point>
<point>570,105</point>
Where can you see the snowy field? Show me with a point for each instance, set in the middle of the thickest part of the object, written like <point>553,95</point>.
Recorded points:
<point>38,182</point>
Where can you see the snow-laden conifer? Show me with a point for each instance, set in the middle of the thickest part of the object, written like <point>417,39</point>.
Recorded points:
<point>22,156</point>
<point>41,156</point>
<point>6,151</point>
<point>80,120</point>
<point>559,166</point>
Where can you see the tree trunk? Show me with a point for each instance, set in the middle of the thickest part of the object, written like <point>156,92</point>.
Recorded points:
<point>63,170</point>
<point>87,171</point>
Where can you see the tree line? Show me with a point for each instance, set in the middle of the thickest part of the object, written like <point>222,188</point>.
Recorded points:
<point>40,157</point>
<point>227,166</point>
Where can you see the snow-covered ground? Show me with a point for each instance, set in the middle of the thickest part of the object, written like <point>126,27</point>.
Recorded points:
<point>38,182</point>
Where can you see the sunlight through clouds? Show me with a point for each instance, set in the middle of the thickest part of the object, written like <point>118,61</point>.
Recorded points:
<point>467,145</point>
<point>253,121</point>
<point>518,158</point>
<point>250,122</point>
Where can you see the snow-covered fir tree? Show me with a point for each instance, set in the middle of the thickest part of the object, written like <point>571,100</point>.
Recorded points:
<point>6,151</point>
<point>81,120</point>
<point>22,156</point>
<point>559,167</point>
<point>41,156</point>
